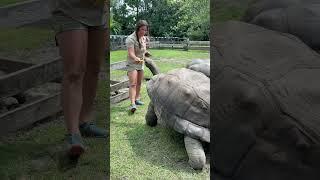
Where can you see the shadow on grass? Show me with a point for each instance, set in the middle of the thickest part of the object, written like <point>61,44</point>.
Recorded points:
<point>29,157</point>
<point>63,161</point>
<point>160,146</point>
<point>121,109</point>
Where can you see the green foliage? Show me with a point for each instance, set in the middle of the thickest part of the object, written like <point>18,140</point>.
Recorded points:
<point>115,26</point>
<point>196,19</point>
<point>179,18</point>
<point>163,18</point>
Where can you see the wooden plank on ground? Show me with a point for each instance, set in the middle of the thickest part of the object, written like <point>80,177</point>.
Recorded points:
<point>30,113</point>
<point>113,82</point>
<point>119,85</point>
<point>119,97</point>
<point>118,65</point>
<point>19,81</point>
<point>9,66</point>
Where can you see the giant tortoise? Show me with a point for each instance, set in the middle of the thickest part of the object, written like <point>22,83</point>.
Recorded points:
<point>298,17</point>
<point>200,65</point>
<point>180,99</point>
<point>266,104</point>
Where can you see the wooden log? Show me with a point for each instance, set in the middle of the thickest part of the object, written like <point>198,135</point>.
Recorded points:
<point>21,80</point>
<point>30,113</point>
<point>120,97</point>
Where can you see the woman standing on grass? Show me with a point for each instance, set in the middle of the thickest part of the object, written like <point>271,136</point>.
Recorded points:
<point>80,28</point>
<point>136,45</point>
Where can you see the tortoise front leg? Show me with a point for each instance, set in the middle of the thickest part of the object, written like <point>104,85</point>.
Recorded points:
<point>192,130</point>
<point>195,151</point>
<point>151,118</point>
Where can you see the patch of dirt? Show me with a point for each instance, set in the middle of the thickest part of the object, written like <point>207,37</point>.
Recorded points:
<point>41,164</point>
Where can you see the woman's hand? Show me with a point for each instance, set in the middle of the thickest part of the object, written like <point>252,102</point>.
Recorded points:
<point>134,58</point>
<point>138,60</point>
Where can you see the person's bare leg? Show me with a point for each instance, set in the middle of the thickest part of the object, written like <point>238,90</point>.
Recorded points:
<point>132,85</point>
<point>73,49</point>
<point>139,82</point>
<point>97,40</point>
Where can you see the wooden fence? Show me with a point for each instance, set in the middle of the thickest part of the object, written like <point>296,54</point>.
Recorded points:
<point>118,42</point>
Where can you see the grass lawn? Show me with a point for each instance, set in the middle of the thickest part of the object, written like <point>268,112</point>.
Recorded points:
<point>38,153</point>
<point>7,2</point>
<point>24,38</point>
<point>121,55</point>
<point>23,43</point>
<point>141,152</point>
<point>165,60</point>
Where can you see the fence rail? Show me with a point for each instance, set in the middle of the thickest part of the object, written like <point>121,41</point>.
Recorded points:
<point>118,42</point>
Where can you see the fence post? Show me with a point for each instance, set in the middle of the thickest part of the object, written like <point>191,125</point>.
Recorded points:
<point>187,44</point>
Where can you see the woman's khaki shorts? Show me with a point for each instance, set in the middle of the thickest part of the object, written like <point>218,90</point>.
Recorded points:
<point>62,23</point>
<point>132,66</point>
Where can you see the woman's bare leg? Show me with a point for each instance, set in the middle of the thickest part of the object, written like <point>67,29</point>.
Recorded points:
<point>139,82</point>
<point>132,85</point>
<point>73,49</point>
<point>97,40</point>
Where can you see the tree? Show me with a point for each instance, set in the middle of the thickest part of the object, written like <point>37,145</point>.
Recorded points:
<point>196,19</point>
<point>180,18</point>
<point>115,26</point>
